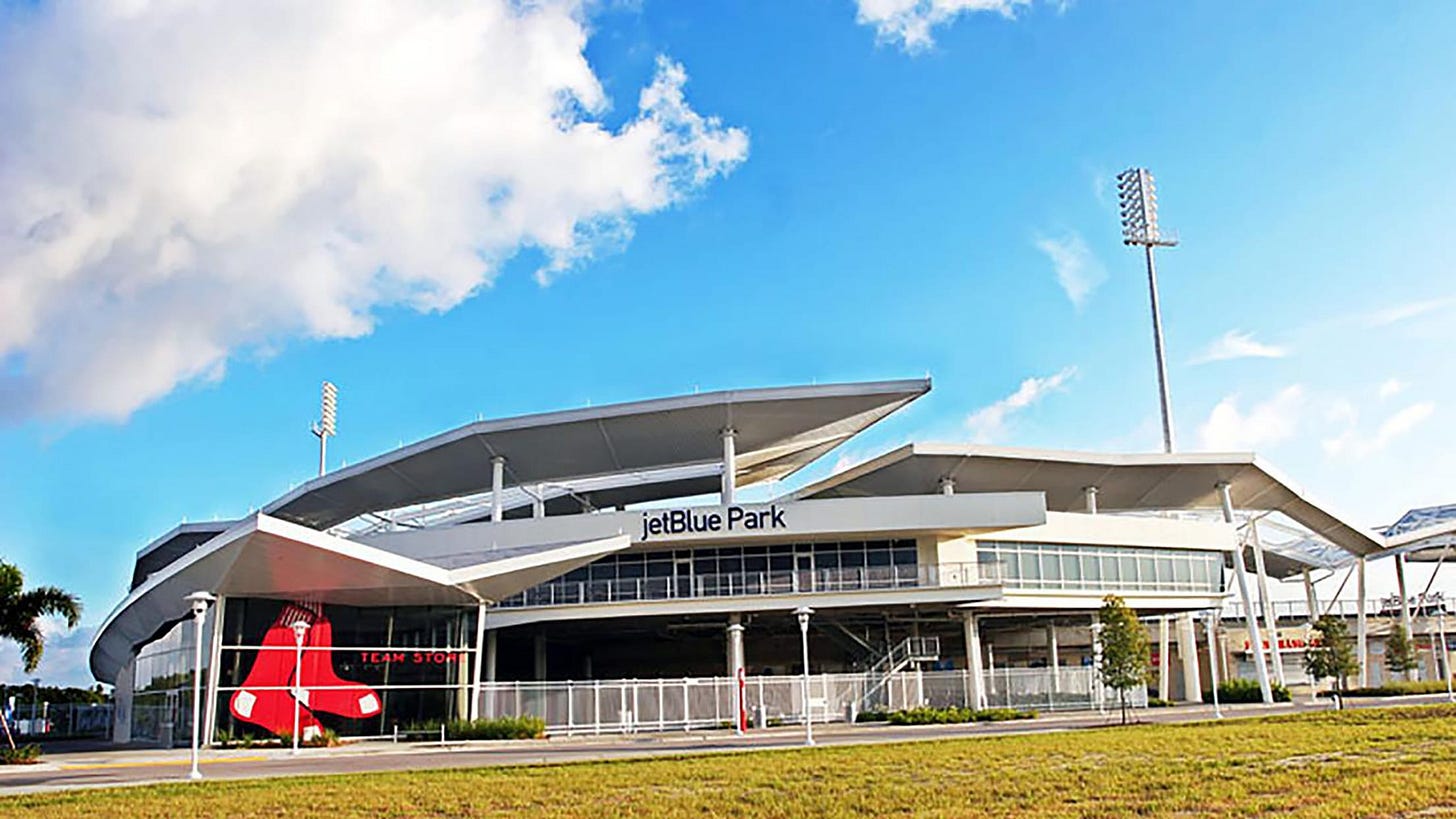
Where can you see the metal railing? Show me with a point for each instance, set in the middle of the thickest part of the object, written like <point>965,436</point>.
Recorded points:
<point>1383,607</point>
<point>61,719</point>
<point>684,704</point>
<point>752,584</point>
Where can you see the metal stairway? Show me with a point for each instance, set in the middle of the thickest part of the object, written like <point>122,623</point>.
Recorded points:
<point>906,652</point>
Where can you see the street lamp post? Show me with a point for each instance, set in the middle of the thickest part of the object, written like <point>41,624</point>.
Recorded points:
<point>1138,205</point>
<point>803,613</point>
<point>200,601</point>
<point>300,628</point>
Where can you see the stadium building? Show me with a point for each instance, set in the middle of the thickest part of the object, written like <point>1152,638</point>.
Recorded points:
<point>598,567</point>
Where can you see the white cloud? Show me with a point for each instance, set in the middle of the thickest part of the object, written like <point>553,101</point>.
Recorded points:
<point>1230,428</point>
<point>1351,443</point>
<point>989,422</point>
<point>185,182</point>
<point>1078,271</point>
<point>908,23</point>
<point>65,661</point>
<point>1404,312</point>
<point>1392,387</point>
<point>1238,344</point>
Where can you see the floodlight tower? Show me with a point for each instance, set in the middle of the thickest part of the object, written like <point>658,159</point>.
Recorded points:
<point>1138,203</point>
<point>324,427</point>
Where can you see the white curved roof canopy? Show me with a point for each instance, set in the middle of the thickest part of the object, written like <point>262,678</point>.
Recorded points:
<point>778,431</point>
<point>1132,482</point>
<point>266,557</point>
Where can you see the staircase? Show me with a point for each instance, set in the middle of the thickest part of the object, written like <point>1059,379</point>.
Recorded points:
<point>904,653</point>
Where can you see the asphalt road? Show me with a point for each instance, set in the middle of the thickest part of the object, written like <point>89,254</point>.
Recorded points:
<point>107,768</point>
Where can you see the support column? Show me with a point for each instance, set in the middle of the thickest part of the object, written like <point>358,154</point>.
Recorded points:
<point>1188,654</point>
<point>976,697</point>
<point>1310,600</point>
<point>1405,606</point>
<point>1362,632</point>
<point>947,485</point>
<point>1271,620</point>
<point>474,710</point>
<point>730,458</point>
<point>1213,660</point>
<point>497,487</point>
<point>538,503</point>
<point>1251,618</point>
<point>214,671</point>
<point>735,667</point>
<point>1090,493</point>
<point>1164,661</point>
<point>489,663</point>
<point>1054,662</point>
<point>540,646</point>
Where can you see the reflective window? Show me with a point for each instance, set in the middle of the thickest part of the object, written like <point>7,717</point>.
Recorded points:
<point>1098,568</point>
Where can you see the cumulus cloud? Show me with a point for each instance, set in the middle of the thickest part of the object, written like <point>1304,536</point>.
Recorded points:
<point>1078,271</point>
<point>65,661</point>
<point>1230,428</point>
<point>1353,443</point>
<point>182,182</point>
<point>1238,344</point>
<point>989,423</point>
<point>908,23</point>
<point>1392,387</point>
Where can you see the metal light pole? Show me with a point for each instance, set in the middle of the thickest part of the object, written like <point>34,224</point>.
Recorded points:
<point>324,428</point>
<point>1445,657</point>
<point>1213,660</point>
<point>803,613</point>
<point>300,628</point>
<point>1138,206</point>
<point>199,601</point>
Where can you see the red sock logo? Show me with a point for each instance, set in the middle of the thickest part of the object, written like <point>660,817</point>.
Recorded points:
<point>329,692</point>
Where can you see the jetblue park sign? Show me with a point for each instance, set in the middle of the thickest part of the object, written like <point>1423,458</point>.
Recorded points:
<point>660,522</point>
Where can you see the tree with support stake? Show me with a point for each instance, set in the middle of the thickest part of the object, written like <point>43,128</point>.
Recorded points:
<point>1331,654</point>
<point>1400,651</point>
<point>1124,648</point>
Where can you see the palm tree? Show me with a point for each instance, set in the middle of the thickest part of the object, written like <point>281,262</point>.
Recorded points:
<point>20,612</point>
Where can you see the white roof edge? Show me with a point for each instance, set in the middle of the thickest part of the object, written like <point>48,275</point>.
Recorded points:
<point>218,526</point>
<point>910,388</point>
<point>565,551</point>
<point>1411,541</point>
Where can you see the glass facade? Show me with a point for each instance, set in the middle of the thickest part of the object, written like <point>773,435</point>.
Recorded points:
<point>162,687</point>
<point>364,671</point>
<point>1104,568</point>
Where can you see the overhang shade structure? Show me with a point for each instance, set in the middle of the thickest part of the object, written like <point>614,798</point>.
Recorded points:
<point>267,557</point>
<point>166,549</point>
<point>777,431</point>
<point>1435,543</point>
<point>1123,483</point>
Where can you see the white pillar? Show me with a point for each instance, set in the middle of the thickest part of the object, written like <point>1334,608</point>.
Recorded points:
<point>1213,660</point>
<point>1164,661</point>
<point>1054,663</point>
<point>1271,621</point>
<point>1361,627</point>
<point>474,709</point>
<point>214,670</point>
<point>730,458</point>
<point>1310,599</point>
<point>540,646</point>
<point>1251,618</point>
<point>947,485</point>
<point>538,503</point>
<point>1405,607</point>
<point>976,697</point>
<point>1188,654</point>
<point>1090,492</point>
<point>735,667</point>
<point>489,671</point>
<point>497,486</point>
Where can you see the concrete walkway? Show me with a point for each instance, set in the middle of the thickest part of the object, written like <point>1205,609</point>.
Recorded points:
<point>93,768</point>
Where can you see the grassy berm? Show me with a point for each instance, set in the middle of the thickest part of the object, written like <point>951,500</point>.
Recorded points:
<point>1390,762</point>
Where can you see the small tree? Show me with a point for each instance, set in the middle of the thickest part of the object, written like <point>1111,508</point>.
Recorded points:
<point>1400,651</point>
<point>1124,645</point>
<point>1332,654</point>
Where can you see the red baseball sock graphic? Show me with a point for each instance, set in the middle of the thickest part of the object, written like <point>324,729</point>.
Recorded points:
<point>327,691</point>
<point>265,699</point>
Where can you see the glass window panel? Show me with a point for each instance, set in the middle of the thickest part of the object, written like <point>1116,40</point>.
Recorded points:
<point>1051,568</point>
<point>1091,567</point>
<point>850,559</point>
<point>904,557</point>
<point>878,557</point>
<point>1071,568</point>
<point>1182,570</point>
<point>1127,571</point>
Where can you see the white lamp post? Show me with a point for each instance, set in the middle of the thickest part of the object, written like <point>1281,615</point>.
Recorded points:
<point>200,601</point>
<point>300,628</point>
<point>803,613</point>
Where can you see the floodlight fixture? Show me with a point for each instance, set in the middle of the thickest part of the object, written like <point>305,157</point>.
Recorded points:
<point>1137,200</point>
<point>327,426</point>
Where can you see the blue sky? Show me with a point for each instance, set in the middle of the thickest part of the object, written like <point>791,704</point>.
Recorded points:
<point>860,208</point>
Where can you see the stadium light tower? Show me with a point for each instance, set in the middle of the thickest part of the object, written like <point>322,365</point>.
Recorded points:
<point>1138,203</point>
<point>324,428</point>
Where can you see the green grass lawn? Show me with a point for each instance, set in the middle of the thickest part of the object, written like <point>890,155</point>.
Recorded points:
<point>1389,762</point>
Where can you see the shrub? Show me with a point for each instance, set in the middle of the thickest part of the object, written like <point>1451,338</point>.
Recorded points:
<point>1237,691</point>
<point>1157,702</point>
<point>1396,688</point>
<point>872,716</point>
<point>522,727</point>
<point>20,755</point>
<point>1002,715</point>
<point>925,715</point>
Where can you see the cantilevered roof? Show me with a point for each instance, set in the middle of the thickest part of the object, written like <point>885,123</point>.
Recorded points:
<point>156,555</point>
<point>779,430</point>
<point>1124,482</point>
<point>263,556</point>
<point>1435,543</point>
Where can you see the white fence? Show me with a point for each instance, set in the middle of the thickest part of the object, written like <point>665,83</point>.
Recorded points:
<point>629,706</point>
